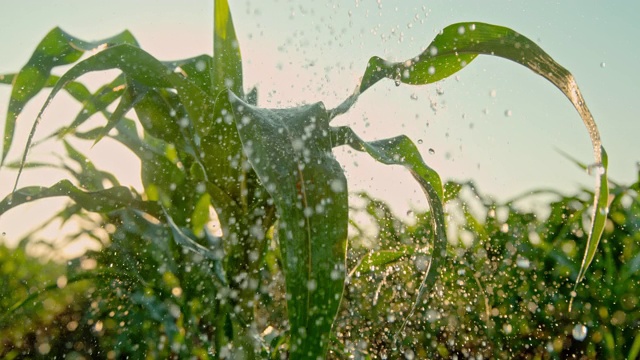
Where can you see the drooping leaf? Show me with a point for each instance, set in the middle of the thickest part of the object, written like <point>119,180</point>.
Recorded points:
<point>56,49</point>
<point>144,69</point>
<point>599,215</point>
<point>227,61</point>
<point>290,150</point>
<point>455,47</point>
<point>401,151</point>
<point>99,201</point>
<point>89,176</point>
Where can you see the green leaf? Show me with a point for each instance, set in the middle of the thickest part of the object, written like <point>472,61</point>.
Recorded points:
<point>144,69</point>
<point>381,258</point>
<point>599,213</point>
<point>197,70</point>
<point>290,150</point>
<point>183,240</point>
<point>128,100</point>
<point>98,102</point>
<point>102,201</point>
<point>89,176</point>
<point>160,176</point>
<point>223,159</point>
<point>227,61</point>
<point>56,49</point>
<point>454,48</point>
<point>400,150</point>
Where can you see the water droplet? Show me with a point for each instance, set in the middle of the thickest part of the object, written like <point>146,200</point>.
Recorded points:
<point>201,65</point>
<point>579,332</point>
<point>420,141</point>
<point>461,30</point>
<point>523,263</point>
<point>433,51</point>
<point>603,64</point>
<point>413,96</point>
<point>312,285</point>
<point>507,113</point>
<point>493,93</point>
<point>472,27</point>
<point>431,151</point>
<point>431,70</point>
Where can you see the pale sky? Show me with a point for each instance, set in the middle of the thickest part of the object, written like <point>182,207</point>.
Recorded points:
<point>302,52</point>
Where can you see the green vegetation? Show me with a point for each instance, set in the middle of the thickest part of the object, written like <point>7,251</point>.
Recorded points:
<point>166,286</point>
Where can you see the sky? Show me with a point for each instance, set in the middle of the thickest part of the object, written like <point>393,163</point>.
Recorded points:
<point>496,123</point>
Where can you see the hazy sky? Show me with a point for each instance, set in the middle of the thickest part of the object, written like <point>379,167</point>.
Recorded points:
<point>302,52</point>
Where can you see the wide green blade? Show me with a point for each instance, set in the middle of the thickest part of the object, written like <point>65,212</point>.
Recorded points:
<point>290,150</point>
<point>401,151</point>
<point>56,49</point>
<point>227,61</point>
<point>455,47</point>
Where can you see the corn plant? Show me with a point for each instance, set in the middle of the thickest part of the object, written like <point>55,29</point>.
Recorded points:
<point>269,174</point>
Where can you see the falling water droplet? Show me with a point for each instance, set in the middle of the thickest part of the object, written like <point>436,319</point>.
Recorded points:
<point>431,151</point>
<point>507,113</point>
<point>579,332</point>
<point>603,64</point>
<point>420,141</point>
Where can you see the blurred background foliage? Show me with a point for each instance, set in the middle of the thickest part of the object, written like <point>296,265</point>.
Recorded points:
<point>504,293</point>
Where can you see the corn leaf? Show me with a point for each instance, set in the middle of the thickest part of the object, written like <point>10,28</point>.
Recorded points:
<point>454,48</point>
<point>290,150</point>
<point>56,49</point>
<point>400,150</point>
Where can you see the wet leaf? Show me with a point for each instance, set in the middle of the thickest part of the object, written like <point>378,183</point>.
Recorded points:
<point>454,48</point>
<point>56,49</point>
<point>99,201</point>
<point>227,61</point>
<point>401,151</point>
<point>290,150</point>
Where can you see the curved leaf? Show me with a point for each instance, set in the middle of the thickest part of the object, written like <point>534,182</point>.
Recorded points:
<point>290,150</point>
<point>455,47</point>
<point>102,201</point>
<point>401,151</point>
<point>56,49</point>
<point>144,69</point>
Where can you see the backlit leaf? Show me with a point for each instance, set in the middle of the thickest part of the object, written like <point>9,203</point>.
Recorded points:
<point>290,150</point>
